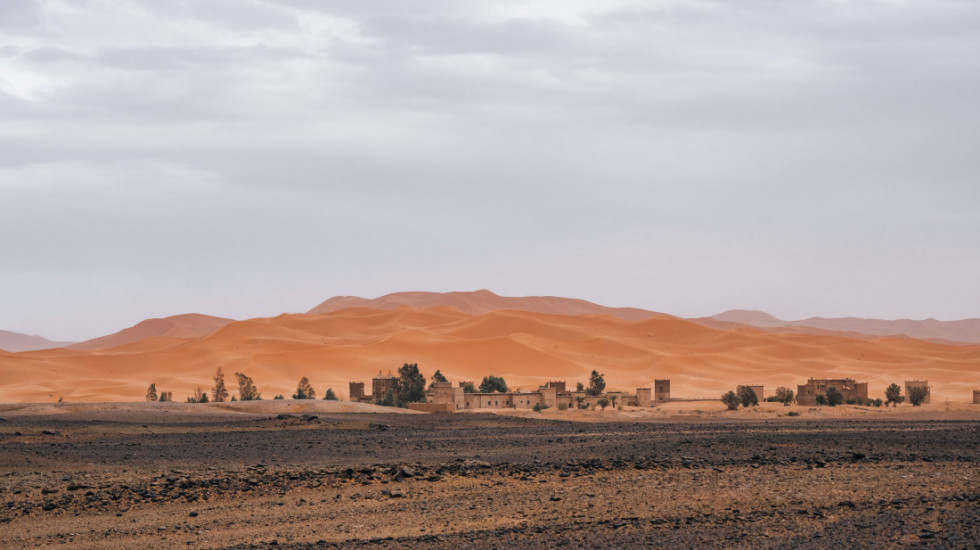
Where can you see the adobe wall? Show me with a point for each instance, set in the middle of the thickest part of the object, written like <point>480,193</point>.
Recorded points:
<point>661,390</point>
<point>976,397</point>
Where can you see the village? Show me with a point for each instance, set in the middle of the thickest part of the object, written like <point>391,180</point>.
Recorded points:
<point>443,396</point>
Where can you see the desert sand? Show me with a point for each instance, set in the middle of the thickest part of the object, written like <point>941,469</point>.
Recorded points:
<point>526,348</point>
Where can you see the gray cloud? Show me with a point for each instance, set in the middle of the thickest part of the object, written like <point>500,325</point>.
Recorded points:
<point>244,158</point>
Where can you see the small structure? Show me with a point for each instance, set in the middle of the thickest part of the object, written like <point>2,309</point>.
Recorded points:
<point>976,397</point>
<point>380,386</point>
<point>806,394</point>
<point>661,390</point>
<point>909,384</point>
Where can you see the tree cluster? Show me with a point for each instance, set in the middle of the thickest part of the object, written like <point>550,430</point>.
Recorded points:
<point>492,384</point>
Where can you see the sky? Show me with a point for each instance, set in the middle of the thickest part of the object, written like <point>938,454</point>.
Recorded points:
<point>245,158</point>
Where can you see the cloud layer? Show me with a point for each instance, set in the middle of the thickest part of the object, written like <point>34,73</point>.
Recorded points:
<point>243,158</point>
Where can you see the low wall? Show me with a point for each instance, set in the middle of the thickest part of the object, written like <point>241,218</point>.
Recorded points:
<point>433,407</point>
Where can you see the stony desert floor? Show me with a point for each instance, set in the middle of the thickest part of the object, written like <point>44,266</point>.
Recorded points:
<point>219,478</point>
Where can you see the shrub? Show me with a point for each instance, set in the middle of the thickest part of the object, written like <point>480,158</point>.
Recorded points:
<point>784,395</point>
<point>821,400</point>
<point>278,397</point>
<point>731,400</point>
<point>597,384</point>
<point>304,390</point>
<point>603,402</point>
<point>198,397</point>
<point>834,396</point>
<point>747,396</point>
<point>233,398</point>
<point>538,407</point>
<point>469,387</point>
<point>851,402</point>
<point>917,395</point>
<point>893,394</point>
<point>246,388</point>
<point>562,407</point>
<point>330,395</point>
<point>793,413</point>
<point>219,392</point>
<point>493,383</point>
<point>411,384</point>
<point>877,402</point>
<point>151,392</point>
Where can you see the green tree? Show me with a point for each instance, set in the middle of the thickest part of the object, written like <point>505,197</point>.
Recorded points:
<point>597,384</point>
<point>492,384</point>
<point>411,384</point>
<point>304,390</point>
<point>917,395</point>
<point>246,388</point>
<point>389,400</point>
<point>893,395</point>
<point>603,402</point>
<point>469,387</point>
<point>731,400</point>
<point>579,386</point>
<point>219,392</point>
<point>578,400</point>
<point>834,396</point>
<point>438,377</point>
<point>151,392</point>
<point>198,397</point>
<point>784,395</point>
<point>278,397</point>
<point>330,395</point>
<point>821,399</point>
<point>747,396</point>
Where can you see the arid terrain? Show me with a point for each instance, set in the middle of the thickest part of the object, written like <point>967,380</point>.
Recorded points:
<point>549,339</point>
<point>239,476</point>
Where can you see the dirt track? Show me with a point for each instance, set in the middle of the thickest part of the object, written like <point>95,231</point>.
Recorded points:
<point>486,481</point>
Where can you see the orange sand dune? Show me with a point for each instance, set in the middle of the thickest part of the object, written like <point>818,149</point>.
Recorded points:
<point>964,330</point>
<point>14,341</point>
<point>482,301</point>
<point>526,348</point>
<point>191,325</point>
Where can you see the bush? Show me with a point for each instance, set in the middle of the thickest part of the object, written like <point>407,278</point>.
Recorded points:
<point>784,395</point>
<point>304,390</point>
<point>597,384</point>
<point>492,384</point>
<point>198,397</point>
<point>469,387</point>
<point>793,413</point>
<point>877,402</point>
<point>893,394</point>
<point>151,392</point>
<point>747,396</point>
<point>278,397</point>
<point>562,407</point>
<point>731,400</point>
<point>538,407</point>
<point>821,400</point>
<point>917,395</point>
<point>834,396</point>
<point>411,384</point>
<point>330,395</point>
<point>246,388</point>
<point>603,402</point>
<point>851,401</point>
<point>219,392</point>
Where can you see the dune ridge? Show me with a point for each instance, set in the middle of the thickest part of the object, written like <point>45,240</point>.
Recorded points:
<point>16,342</point>
<point>526,348</point>
<point>963,330</point>
<point>189,325</point>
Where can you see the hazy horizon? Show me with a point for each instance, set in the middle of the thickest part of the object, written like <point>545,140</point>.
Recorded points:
<point>245,159</point>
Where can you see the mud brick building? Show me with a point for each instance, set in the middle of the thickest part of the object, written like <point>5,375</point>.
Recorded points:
<point>806,394</point>
<point>976,397</point>
<point>380,386</point>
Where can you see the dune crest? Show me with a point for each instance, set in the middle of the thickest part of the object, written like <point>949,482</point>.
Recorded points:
<point>17,342</point>
<point>190,325</point>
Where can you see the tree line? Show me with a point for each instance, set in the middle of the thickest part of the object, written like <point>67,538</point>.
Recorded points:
<point>247,391</point>
<point>745,396</point>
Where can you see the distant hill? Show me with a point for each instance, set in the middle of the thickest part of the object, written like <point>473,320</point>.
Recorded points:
<point>191,325</point>
<point>15,342</point>
<point>483,301</point>
<point>965,330</point>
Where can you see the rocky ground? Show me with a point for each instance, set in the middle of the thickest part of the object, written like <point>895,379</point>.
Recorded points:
<point>475,481</point>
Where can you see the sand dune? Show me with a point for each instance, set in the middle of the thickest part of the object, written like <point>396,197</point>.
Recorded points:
<point>191,325</point>
<point>964,330</point>
<point>526,348</point>
<point>482,301</point>
<point>15,342</point>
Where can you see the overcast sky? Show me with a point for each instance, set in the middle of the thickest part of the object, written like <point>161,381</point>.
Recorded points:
<point>246,158</point>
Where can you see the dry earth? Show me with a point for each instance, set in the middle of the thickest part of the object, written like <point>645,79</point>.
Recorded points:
<point>234,479</point>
